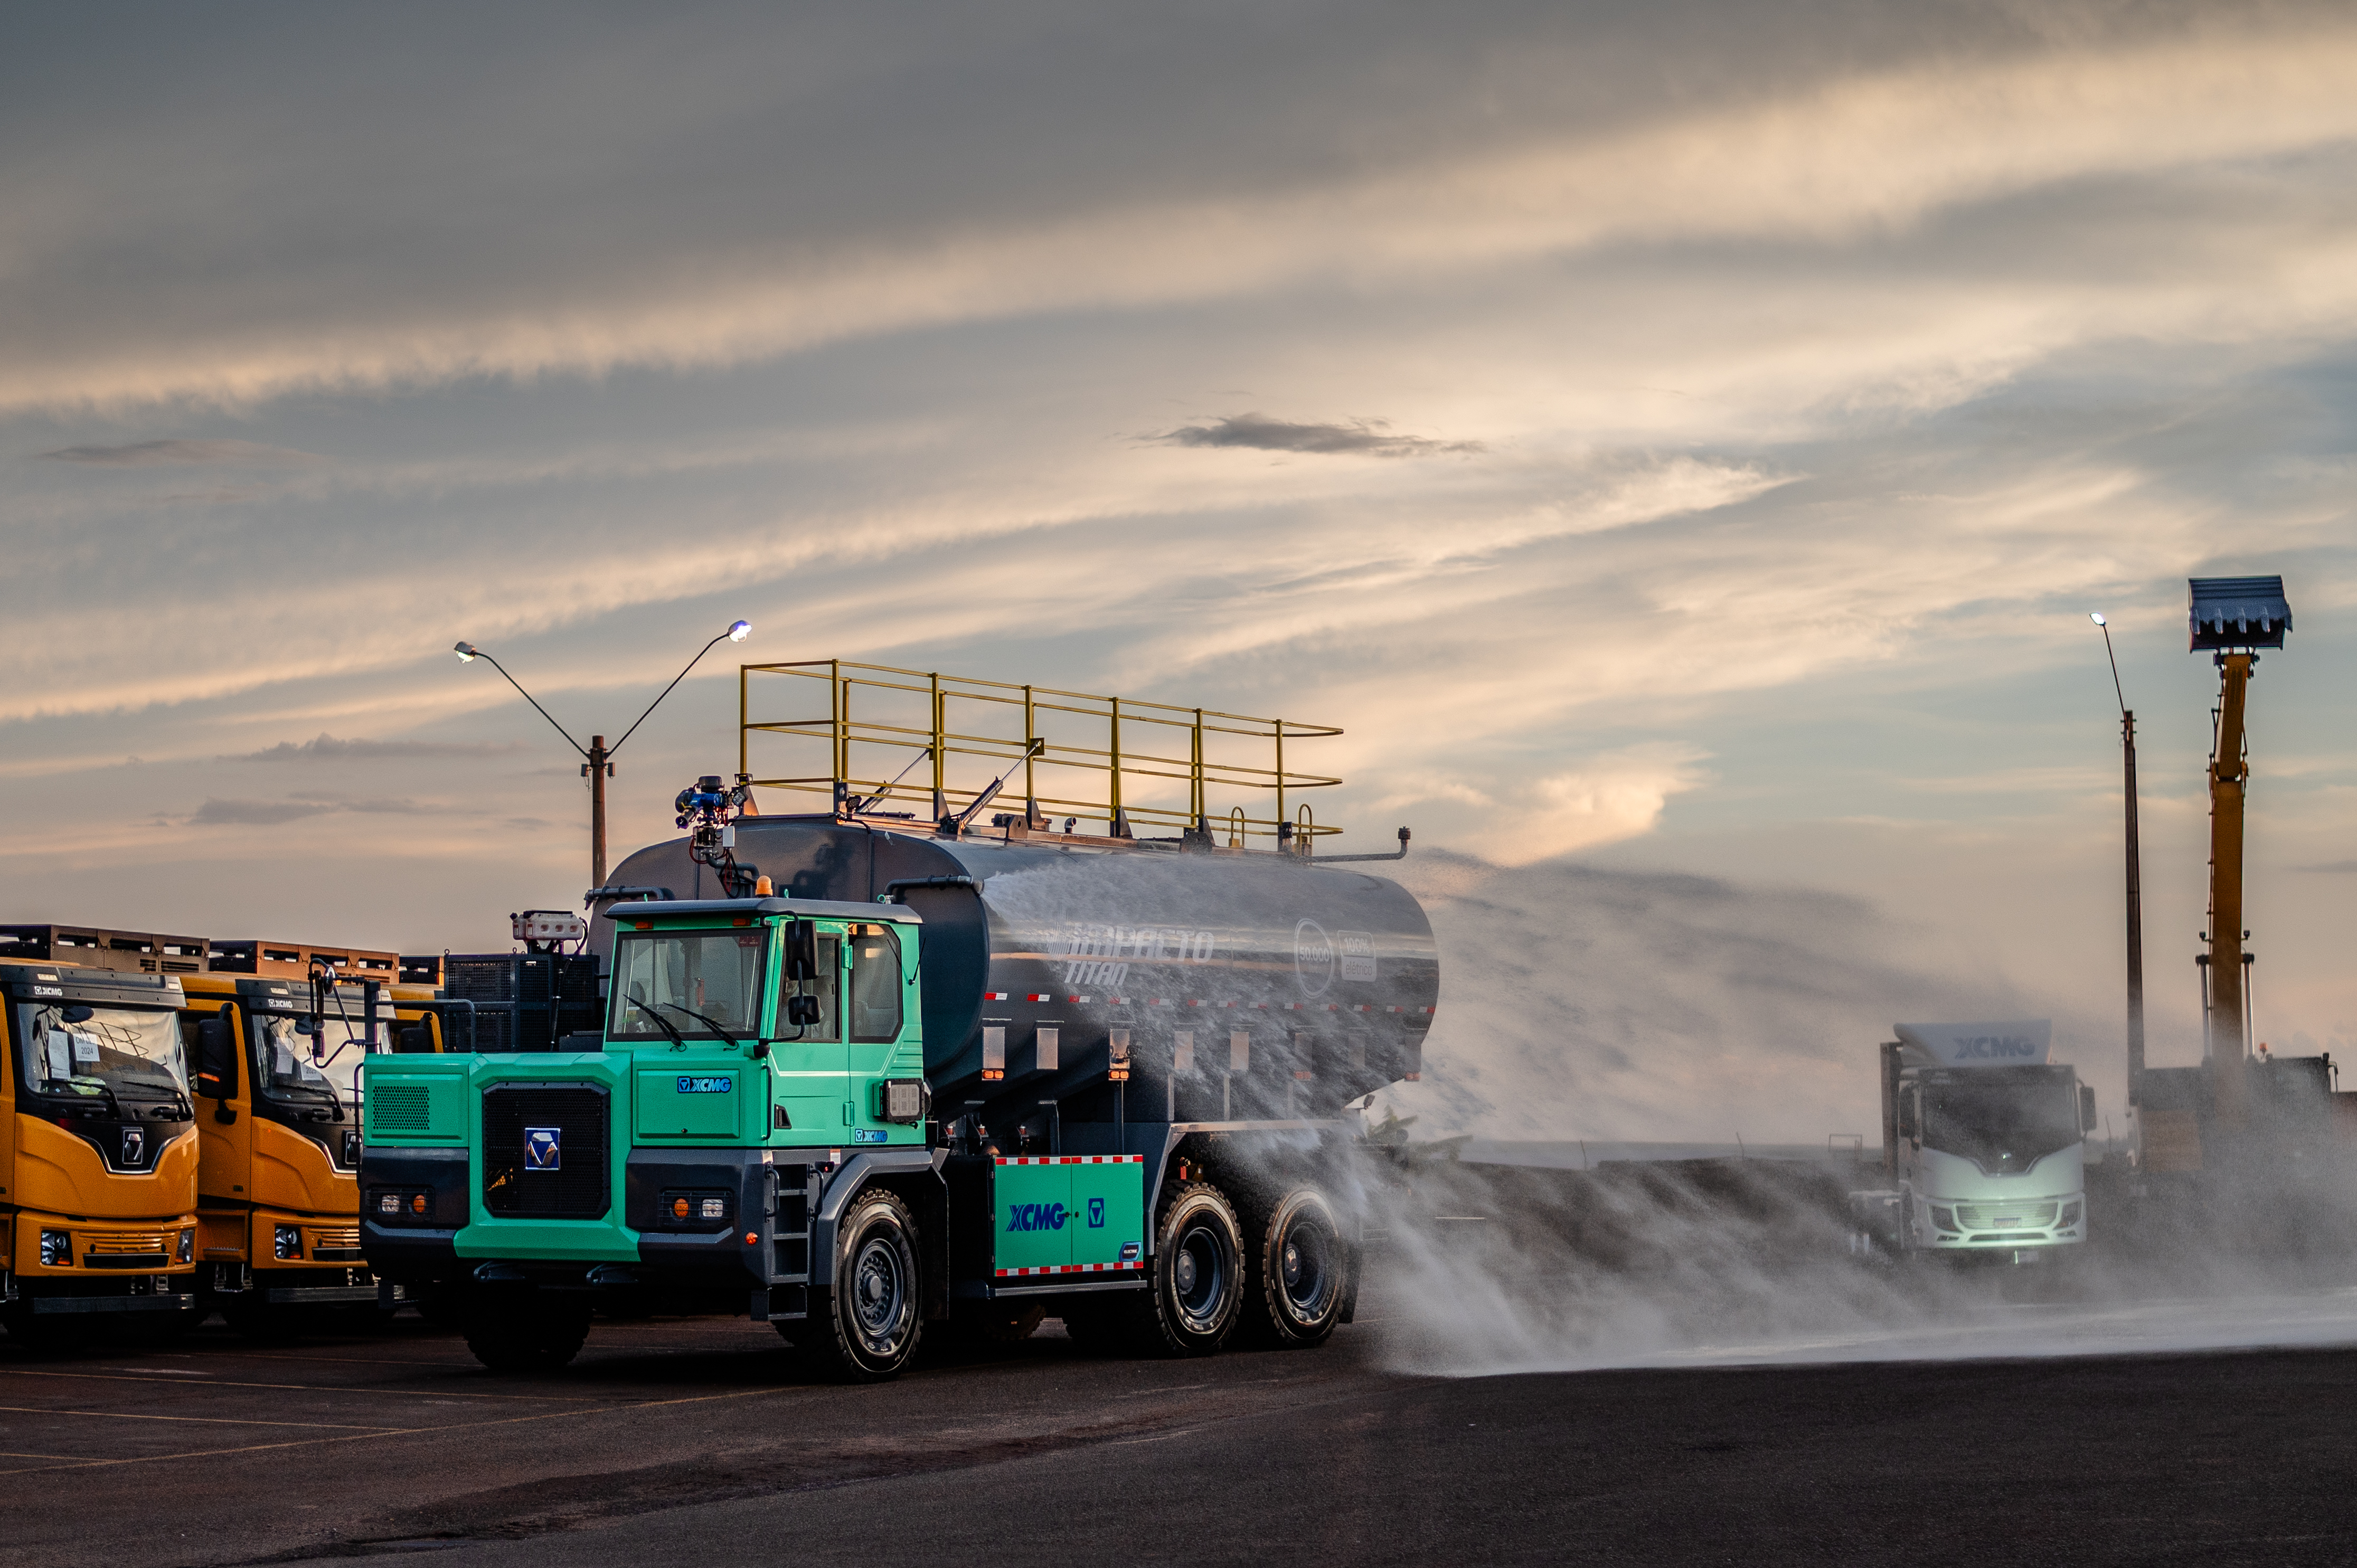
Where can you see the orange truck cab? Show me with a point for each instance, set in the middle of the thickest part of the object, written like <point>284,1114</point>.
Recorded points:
<point>277,1057</point>
<point>98,1151</point>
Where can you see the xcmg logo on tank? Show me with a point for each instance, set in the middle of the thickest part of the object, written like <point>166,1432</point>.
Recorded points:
<point>1052,1216</point>
<point>1994,1048</point>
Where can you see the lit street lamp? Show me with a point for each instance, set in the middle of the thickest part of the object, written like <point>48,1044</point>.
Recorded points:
<point>596,763</point>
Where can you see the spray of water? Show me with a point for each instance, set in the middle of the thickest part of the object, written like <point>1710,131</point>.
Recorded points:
<point>1580,1004</point>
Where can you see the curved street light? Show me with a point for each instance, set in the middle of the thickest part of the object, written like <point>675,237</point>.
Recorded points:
<point>596,758</point>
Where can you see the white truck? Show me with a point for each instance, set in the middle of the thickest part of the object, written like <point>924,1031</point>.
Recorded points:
<point>1983,1146</point>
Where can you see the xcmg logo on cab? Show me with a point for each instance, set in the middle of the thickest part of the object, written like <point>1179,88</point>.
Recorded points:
<point>1992,1046</point>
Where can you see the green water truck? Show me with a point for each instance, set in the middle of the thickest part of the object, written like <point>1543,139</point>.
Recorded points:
<point>939,1079</point>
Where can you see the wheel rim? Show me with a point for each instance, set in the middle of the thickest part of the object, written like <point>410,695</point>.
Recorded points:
<point>879,1294</point>
<point>1305,1269</point>
<point>1199,1277</point>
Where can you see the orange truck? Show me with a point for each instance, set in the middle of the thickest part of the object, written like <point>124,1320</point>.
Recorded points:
<point>277,1031</point>
<point>98,1133</point>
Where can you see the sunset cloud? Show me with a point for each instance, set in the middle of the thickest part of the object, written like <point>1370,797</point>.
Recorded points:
<point>1677,442</point>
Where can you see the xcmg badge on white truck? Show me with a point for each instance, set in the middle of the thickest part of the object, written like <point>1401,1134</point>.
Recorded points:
<point>1984,1144</point>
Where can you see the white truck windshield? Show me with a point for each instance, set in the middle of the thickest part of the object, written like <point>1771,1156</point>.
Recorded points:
<point>2004,1128</point>
<point>86,1051</point>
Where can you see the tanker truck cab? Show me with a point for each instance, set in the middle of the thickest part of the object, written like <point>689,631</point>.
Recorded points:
<point>100,1152</point>
<point>1987,1140</point>
<point>278,1074</point>
<point>761,1068</point>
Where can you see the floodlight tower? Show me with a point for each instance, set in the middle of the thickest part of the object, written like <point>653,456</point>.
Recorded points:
<point>2231,619</point>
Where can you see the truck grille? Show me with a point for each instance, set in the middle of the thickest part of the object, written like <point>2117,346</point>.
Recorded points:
<point>2005,1215</point>
<point>339,1245</point>
<point>518,1186</point>
<point>126,1249</point>
<point>402,1108</point>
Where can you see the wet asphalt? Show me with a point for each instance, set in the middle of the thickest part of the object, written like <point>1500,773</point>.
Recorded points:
<point>697,1440</point>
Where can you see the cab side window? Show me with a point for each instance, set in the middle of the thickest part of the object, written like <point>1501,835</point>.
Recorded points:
<point>876,987</point>
<point>827,985</point>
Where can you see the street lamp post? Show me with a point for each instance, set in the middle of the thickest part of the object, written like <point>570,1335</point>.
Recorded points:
<point>2135,874</point>
<point>596,758</point>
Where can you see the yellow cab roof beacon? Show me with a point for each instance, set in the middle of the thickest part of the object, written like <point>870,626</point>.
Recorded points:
<point>98,1146</point>
<point>276,1032</point>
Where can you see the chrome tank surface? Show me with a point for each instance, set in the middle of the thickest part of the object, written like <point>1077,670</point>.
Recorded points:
<point>1296,986</point>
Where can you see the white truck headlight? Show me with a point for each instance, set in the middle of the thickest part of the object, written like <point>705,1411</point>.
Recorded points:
<point>56,1249</point>
<point>187,1253</point>
<point>286,1240</point>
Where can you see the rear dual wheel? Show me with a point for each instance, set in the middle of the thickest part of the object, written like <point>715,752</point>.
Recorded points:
<point>1297,1271</point>
<point>1194,1293</point>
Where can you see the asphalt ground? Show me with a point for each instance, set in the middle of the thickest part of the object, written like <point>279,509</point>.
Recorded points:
<point>696,1441</point>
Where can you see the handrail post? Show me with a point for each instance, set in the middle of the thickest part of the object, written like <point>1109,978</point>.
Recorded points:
<point>1119,821</point>
<point>1199,805</point>
<point>744,735</point>
<point>843,731</point>
<point>941,752</point>
<point>1030,748</point>
<point>1280,769</point>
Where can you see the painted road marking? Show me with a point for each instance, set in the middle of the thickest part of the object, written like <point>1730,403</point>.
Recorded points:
<point>397,1432</point>
<point>306,1387</point>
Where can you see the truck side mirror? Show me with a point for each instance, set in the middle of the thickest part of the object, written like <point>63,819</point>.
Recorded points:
<point>801,951</point>
<point>1907,1117</point>
<point>217,1060</point>
<point>413,1039</point>
<point>801,1012</point>
<point>2086,1107</point>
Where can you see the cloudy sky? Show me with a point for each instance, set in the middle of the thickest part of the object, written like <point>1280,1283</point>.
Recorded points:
<point>1680,445</point>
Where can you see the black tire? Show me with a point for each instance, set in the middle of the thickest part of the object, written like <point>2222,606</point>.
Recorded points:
<point>873,1319</point>
<point>150,1330</point>
<point>261,1322</point>
<point>527,1335</point>
<point>1197,1289</point>
<point>1297,1271</point>
<point>440,1305</point>
<point>53,1332</point>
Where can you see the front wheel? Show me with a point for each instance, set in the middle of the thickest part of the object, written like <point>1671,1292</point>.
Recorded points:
<point>527,1335</point>
<point>870,1333</point>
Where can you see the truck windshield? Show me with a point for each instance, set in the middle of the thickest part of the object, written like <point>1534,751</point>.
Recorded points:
<point>92,1052</point>
<point>2004,1128</point>
<point>674,975</point>
<point>286,1066</point>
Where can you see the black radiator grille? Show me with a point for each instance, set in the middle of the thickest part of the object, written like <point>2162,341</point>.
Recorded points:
<point>512,1185</point>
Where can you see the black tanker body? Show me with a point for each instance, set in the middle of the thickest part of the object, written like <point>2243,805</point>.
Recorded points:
<point>1328,973</point>
<point>1195,1021</point>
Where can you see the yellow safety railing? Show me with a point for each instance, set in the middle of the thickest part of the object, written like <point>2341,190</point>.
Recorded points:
<point>881,725</point>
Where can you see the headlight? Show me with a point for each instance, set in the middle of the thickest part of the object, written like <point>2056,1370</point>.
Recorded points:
<point>286,1240</point>
<point>187,1246</point>
<point>1944,1218</point>
<point>2069,1216</point>
<point>56,1249</point>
